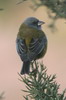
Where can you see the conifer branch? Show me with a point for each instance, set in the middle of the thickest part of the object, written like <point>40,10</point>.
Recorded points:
<point>40,86</point>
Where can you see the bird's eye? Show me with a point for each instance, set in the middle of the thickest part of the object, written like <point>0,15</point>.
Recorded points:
<point>35,22</point>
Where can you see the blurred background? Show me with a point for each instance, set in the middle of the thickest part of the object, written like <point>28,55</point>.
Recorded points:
<point>11,17</point>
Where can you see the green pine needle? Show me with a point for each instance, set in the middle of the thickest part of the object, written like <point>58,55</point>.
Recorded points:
<point>40,86</point>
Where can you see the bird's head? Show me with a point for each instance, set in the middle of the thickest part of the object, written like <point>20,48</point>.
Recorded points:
<point>34,22</point>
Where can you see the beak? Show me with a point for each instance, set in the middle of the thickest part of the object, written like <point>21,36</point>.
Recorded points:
<point>40,23</point>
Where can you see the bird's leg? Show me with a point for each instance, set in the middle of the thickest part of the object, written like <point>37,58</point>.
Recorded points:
<point>32,65</point>
<point>36,64</point>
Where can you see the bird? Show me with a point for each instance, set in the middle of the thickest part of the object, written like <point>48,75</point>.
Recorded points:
<point>31,42</point>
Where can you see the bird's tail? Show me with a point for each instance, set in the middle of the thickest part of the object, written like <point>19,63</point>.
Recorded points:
<point>26,67</point>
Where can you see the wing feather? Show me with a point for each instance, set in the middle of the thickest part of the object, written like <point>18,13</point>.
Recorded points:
<point>35,47</point>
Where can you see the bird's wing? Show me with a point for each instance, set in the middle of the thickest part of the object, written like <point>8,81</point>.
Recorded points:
<point>21,49</point>
<point>35,47</point>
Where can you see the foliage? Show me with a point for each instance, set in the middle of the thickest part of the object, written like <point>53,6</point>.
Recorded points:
<point>1,96</point>
<point>56,6</point>
<point>55,9</point>
<point>40,86</point>
<point>1,9</point>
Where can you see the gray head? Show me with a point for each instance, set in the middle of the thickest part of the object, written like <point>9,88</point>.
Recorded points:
<point>33,22</point>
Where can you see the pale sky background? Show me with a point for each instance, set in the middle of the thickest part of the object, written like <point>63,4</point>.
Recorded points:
<point>10,63</point>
